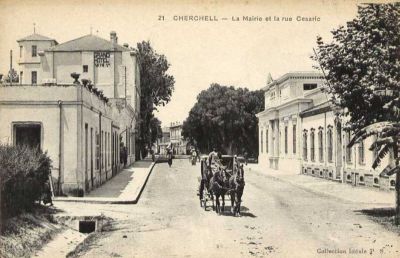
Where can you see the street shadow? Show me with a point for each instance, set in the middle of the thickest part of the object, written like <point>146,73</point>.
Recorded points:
<point>244,212</point>
<point>142,164</point>
<point>378,212</point>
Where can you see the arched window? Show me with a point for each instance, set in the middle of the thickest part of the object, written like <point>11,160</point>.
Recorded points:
<point>320,145</point>
<point>361,153</point>
<point>266,141</point>
<point>329,142</point>
<point>294,139</point>
<point>348,149</point>
<point>305,145</point>
<point>286,139</point>
<point>312,143</point>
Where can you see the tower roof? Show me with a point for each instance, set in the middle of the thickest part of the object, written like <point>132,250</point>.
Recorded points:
<point>36,37</point>
<point>88,43</point>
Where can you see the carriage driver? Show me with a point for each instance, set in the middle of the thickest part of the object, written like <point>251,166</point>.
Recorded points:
<point>214,161</point>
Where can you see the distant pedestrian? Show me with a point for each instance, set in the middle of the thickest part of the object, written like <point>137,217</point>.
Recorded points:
<point>169,155</point>
<point>125,156</point>
<point>46,196</point>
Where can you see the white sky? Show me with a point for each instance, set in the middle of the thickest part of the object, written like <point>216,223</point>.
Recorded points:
<point>226,52</point>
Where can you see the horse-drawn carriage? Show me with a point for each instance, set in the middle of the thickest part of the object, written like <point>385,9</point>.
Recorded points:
<point>226,177</point>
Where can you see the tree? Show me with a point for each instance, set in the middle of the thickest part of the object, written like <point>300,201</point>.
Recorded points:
<point>155,129</point>
<point>12,76</point>
<point>224,117</point>
<point>362,68</point>
<point>156,90</point>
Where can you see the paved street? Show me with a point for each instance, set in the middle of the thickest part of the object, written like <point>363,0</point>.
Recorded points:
<point>278,219</point>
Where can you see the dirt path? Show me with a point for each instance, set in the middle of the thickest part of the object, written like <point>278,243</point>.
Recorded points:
<point>279,220</point>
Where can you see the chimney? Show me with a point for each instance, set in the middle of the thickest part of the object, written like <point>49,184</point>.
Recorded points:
<point>113,37</point>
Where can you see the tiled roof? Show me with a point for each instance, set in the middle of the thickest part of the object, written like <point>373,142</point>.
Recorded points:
<point>88,43</point>
<point>35,37</point>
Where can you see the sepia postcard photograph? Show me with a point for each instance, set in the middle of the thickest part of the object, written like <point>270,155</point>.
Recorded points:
<point>209,128</point>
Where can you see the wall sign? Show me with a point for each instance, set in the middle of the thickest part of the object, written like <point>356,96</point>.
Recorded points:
<point>102,59</point>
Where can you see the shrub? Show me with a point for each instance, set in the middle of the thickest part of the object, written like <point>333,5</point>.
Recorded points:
<point>23,174</point>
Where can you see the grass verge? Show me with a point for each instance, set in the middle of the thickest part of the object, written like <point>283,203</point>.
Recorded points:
<point>383,216</point>
<point>27,233</point>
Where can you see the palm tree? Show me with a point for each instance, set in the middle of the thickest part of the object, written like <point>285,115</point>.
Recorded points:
<point>387,140</point>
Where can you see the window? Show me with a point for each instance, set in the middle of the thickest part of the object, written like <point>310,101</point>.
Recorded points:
<point>309,86</point>
<point>85,68</point>
<point>312,143</point>
<point>305,145</point>
<point>348,149</point>
<point>27,134</point>
<point>86,147</point>
<point>34,77</point>
<point>261,141</point>
<point>97,150</point>
<point>21,75</point>
<point>102,149</point>
<point>286,139</point>
<point>361,153</point>
<point>105,150</point>
<point>294,139</point>
<point>330,144</point>
<point>20,51</point>
<point>34,50</point>
<point>320,145</point>
<point>266,142</point>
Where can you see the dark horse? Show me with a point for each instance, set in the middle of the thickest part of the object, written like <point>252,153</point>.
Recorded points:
<point>236,184</point>
<point>219,186</point>
<point>206,175</point>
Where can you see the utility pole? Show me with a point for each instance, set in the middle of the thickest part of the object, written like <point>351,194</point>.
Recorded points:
<point>10,73</point>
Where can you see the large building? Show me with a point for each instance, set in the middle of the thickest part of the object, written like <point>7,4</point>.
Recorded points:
<point>82,125</point>
<point>300,132</point>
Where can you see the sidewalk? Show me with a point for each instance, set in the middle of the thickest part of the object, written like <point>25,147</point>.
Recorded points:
<point>346,192</point>
<point>124,188</point>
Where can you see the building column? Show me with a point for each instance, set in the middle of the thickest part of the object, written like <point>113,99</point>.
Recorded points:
<point>277,139</point>
<point>270,136</point>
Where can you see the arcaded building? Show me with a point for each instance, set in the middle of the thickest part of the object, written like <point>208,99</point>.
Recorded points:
<point>300,132</point>
<point>82,124</point>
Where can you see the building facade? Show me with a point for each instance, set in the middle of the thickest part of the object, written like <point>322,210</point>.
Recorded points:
<point>280,123</point>
<point>82,126</point>
<point>179,144</point>
<point>164,141</point>
<point>300,132</point>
